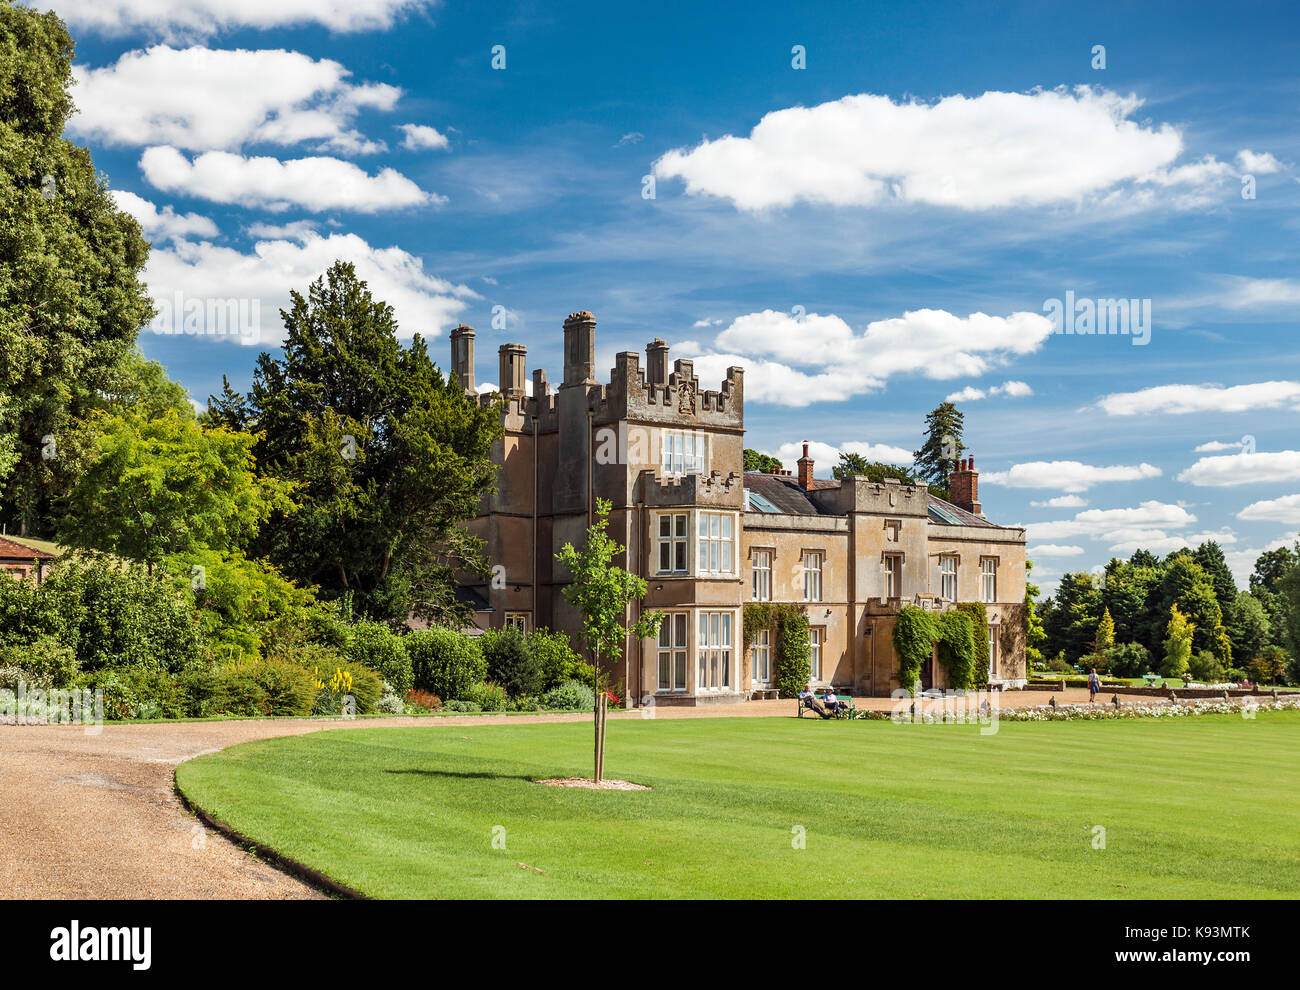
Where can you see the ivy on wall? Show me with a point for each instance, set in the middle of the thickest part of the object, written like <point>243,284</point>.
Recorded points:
<point>959,633</point>
<point>792,651</point>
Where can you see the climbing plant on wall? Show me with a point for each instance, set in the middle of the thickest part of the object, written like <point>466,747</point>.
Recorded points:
<point>959,634</point>
<point>914,634</point>
<point>792,652</point>
<point>979,617</point>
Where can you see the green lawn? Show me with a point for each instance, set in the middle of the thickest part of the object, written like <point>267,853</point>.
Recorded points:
<point>1193,808</point>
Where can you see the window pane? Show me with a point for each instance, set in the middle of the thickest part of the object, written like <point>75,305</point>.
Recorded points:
<point>679,672</point>
<point>680,556</point>
<point>681,525</point>
<point>665,525</point>
<point>704,524</point>
<point>665,661</point>
<point>726,629</point>
<point>681,630</point>
<point>666,632</point>
<point>665,556</point>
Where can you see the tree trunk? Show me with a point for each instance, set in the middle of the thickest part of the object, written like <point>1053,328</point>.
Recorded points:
<point>600,735</point>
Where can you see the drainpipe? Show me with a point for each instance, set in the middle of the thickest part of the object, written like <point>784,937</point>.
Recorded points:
<point>591,462</point>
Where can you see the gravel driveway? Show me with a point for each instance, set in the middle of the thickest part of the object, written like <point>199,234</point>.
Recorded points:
<point>96,816</point>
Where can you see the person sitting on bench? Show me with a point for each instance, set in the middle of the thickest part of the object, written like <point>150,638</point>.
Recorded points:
<point>809,699</point>
<point>832,703</point>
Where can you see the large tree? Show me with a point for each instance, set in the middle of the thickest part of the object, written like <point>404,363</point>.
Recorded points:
<point>1071,622</point>
<point>855,465</point>
<point>943,446</point>
<point>1186,585</point>
<point>756,460</point>
<point>388,456</point>
<point>71,300</point>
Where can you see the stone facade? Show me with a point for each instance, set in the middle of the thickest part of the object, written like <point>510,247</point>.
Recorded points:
<point>709,537</point>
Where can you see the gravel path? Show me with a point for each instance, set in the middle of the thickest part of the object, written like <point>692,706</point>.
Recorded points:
<point>96,816</point>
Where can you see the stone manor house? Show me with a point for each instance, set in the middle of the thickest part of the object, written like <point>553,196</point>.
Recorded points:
<point>709,537</point>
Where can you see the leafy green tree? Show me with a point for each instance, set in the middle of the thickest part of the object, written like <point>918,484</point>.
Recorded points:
<point>388,457</point>
<point>1071,623</point>
<point>168,487</point>
<point>601,592</point>
<point>943,446</point>
<point>1270,667</point>
<point>1250,630</point>
<point>1210,556</point>
<point>1105,633</point>
<point>855,465</point>
<point>757,461</point>
<point>1289,591</point>
<point>1034,633</point>
<point>1178,644</point>
<point>1186,585</point>
<point>1265,584</point>
<point>1131,596</point>
<point>71,299</point>
<point>1127,660</point>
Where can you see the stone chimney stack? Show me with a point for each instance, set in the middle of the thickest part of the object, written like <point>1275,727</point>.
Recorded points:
<point>964,486</point>
<point>580,349</point>
<point>805,469</point>
<point>656,362</point>
<point>462,356</point>
<point>512,370</point>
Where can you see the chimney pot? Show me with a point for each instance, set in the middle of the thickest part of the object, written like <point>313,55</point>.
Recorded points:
<point>963,486</point>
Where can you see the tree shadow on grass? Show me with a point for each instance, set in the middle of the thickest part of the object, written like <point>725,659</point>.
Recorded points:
<point>465,775</point>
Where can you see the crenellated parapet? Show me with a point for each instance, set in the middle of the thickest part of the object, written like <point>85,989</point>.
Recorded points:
<point>714,490</point>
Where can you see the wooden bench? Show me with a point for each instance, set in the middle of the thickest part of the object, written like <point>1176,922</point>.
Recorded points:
<point>847,708</point>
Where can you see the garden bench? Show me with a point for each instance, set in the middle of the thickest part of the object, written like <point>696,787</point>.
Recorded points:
<point>845,699</point>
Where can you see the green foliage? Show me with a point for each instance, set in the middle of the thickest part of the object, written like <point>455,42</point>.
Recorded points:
<point>1205,667</point>
<point>1270,667</point>
<point>570,696</point>
<point>71,299</point>
<point>511,663</point>
<point>755,461</point>
<point>792,647</point>
<point>915,632</point>
<point>446,662</point>
<point>977,666</point>
<point>1034,632</point>
<point>1105,633</point>
<point>367,689</point>
<point>942,448</point>
<point>1178,644</point>
<point>1127,660</point>
<point>47,661</point>
<point>489,697</point>
<point>1186,585</point>
<point>108,615</point>
<point>167,487</point>
<point>855,465</point>
<point>602,592</point>
<point>388,456</point>
<point>554,656</point>
<point>376,646</point>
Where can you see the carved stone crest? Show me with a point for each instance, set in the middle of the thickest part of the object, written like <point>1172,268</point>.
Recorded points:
<point>686,398</point>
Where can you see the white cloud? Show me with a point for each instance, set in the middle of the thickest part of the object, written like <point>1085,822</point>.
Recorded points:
<point>1214,446</point>
<point>1053,550</point>
<point>420,137</point>
<point>295,230</point>
<point>202,99</point>
<point>1163,544</point>
<point>1014,390</point>
<point>826,456</point>
<point>1150,518</point>
<point>203,18</point>
<point>1180,400</point>
<point>1243,469</point>
<point>314,184</point>
<point>1262,163</point>
<point>1061,502</point>
<point>1284,510</point>
<point>632,137</point>
<point>1242,562</point>
<point>928,342</point>
<point>973,153</point>
<point>1068,476</point>
<point>423,303</point>
<point>165,224</point>
<point>706,323</point>
<point>769,381</point>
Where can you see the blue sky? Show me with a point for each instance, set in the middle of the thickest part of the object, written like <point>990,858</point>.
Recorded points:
<point>833,227</point>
